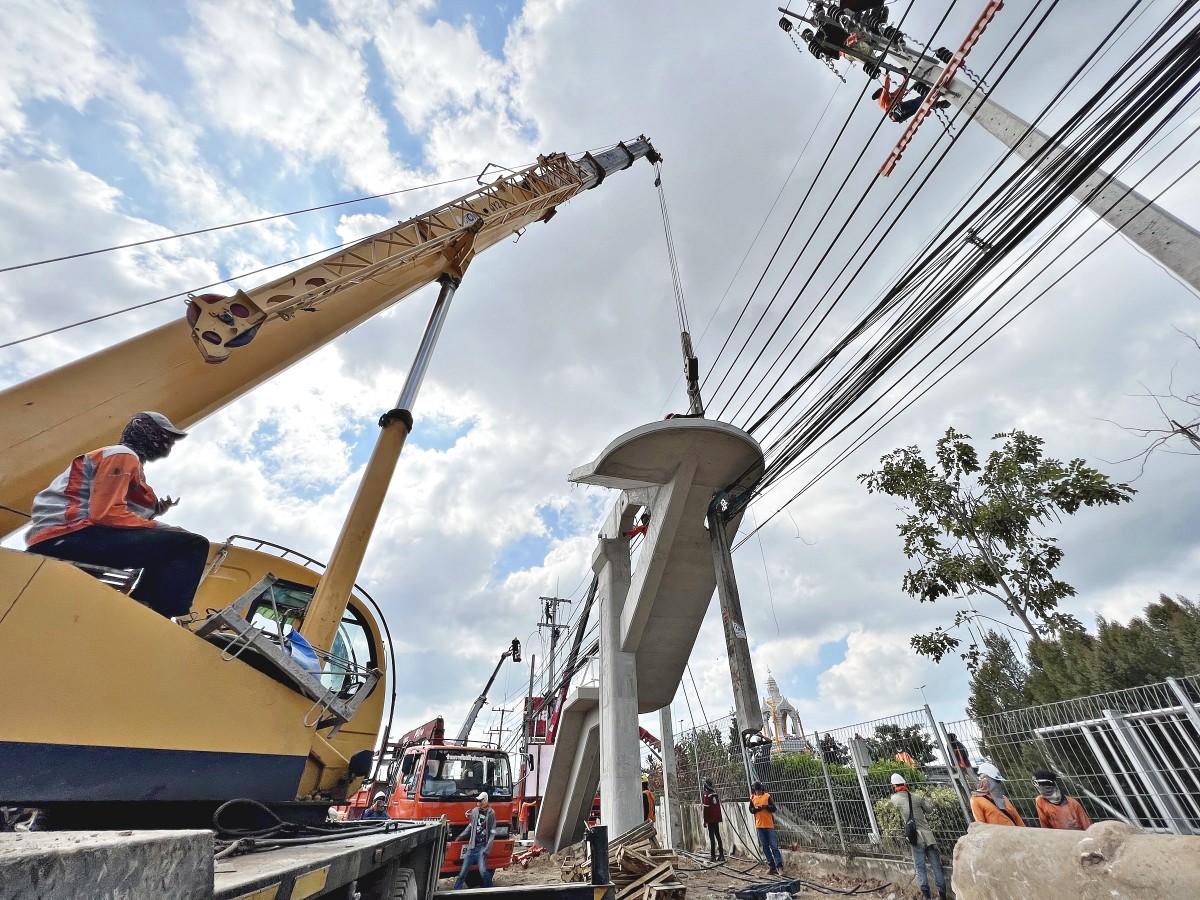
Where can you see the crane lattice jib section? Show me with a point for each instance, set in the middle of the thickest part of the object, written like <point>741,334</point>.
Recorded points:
<point>934,94</point>
<point>495,210</point>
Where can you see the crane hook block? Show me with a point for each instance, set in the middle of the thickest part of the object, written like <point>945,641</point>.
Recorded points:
<point>221,323</point>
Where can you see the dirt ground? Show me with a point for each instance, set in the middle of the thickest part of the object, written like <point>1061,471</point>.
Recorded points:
<point>705,881</point>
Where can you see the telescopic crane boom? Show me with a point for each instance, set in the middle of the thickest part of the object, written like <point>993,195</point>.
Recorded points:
<point>463,733</point>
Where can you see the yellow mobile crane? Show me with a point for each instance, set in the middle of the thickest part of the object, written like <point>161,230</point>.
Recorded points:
<point>112,713</point>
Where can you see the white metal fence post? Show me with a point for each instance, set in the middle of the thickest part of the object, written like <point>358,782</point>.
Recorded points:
<point>837,818</point>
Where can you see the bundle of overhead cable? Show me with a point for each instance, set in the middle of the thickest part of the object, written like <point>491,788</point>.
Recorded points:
<point>1115,124</point>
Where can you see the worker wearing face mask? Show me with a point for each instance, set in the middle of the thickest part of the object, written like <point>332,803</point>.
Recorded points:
<point>1056,809</point>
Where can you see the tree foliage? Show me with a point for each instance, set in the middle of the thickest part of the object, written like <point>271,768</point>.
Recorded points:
<point>889,739</point>
<point>975,529</point>
<point>1163,641</point>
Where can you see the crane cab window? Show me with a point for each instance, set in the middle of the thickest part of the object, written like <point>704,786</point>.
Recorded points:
<point>280,610</point>
<point>461,774</point>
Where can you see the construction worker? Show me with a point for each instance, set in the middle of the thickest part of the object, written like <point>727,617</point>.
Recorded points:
<point>479,835</point>
<point>905,757</point>
<point>528,811</point>
<point>988,802</point>
<point>647,800</point>
<point>710,803</point>
<point>925,851</point>
<point>641,528</point>
<point>1056,809</point>
<point>101,511</point>
<point>377,809</point>
<point>763,808</point>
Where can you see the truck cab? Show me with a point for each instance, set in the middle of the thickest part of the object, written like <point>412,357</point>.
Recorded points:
<point>431,779</point>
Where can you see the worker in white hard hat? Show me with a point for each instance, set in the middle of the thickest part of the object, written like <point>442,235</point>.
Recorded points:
<point>479,835</point>
<point>101,511</point>
<point>989,803</point>
<point>915,808</point>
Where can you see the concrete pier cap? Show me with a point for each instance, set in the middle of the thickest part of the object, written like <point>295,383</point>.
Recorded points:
<point>674,468</point>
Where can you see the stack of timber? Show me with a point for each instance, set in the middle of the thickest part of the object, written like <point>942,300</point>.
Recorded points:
<point>639,867</point>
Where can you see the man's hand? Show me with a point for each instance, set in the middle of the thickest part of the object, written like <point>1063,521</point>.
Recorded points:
<point>163,504</point>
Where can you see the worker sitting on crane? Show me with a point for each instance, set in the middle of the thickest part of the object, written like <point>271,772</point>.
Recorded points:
<point>101,511</point>
<point>892,102</point>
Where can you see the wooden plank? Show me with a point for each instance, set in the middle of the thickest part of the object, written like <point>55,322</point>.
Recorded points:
<point>652,877</point>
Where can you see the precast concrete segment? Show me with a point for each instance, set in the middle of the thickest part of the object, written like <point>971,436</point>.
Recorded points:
<point>1109,860</point>
<point>45,864</point>
<point>570,785</point>
<point>681,464</point>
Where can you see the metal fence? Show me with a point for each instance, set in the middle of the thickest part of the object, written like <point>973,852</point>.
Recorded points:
<point>1132,755</point>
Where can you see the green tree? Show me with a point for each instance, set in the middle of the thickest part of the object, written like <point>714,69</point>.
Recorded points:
<point>973,529</point>
<point>998,682</point>
<point>1163,641</point>
<point>890,739</point>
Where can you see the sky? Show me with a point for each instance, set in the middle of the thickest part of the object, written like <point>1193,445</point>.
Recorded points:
<point>120,122</point>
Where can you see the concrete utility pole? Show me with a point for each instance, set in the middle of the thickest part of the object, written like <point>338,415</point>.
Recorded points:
<point>741,669</point>
<point>1163,237</point>
<point>550,620</point>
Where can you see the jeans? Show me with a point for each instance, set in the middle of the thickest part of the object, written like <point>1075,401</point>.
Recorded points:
<point>770,847</point>
<point>715,847</point>
<point>934,856</point>
<point>479,858</point>
<point>171,559</point>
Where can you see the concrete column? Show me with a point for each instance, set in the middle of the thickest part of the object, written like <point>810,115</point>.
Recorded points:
<point>674,823</point>
<point>620,769</point>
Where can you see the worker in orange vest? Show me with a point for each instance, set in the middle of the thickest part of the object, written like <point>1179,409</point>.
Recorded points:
<point>763,808</point>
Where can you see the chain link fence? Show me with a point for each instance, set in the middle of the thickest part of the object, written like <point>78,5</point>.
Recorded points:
<point>1132,755</point>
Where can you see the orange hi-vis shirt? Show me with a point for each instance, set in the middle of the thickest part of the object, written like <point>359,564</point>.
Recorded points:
<point>1069,814</point>
<point>888,97</point>
<point>763,818</point>
<point>103,487</point>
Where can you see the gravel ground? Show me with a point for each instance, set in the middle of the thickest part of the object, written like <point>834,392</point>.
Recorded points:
<point>708,882</point>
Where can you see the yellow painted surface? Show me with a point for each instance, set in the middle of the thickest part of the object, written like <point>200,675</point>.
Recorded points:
<point>109,672</point>
<point>310,884</point>
<point>17,569</point>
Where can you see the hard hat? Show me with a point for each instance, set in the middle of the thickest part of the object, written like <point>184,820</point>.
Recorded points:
<point>482,798</point>
<point>646,778</point>
<point>897,778</point>
<point>987,770</point>
<point>163,422</point>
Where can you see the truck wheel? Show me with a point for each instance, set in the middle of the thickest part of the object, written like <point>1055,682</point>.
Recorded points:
<point>389,883</point>
<point>404,885</point>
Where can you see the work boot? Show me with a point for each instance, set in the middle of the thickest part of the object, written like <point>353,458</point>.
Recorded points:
<point>772,871</point>
<point>925,894</point>
<point>721,856</point>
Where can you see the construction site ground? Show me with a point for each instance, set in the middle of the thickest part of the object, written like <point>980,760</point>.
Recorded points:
<point>705,881</point>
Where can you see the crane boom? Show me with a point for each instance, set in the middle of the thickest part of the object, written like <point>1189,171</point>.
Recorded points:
<point>465,732</point>
<point>56,416</point>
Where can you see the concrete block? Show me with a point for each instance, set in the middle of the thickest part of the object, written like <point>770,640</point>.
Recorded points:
<point>106,865</point>
<point>1109,860</point>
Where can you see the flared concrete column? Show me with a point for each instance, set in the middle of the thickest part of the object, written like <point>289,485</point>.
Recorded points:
<point>620,769</point>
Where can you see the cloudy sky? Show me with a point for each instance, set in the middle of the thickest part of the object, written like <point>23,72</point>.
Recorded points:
<point>124,121</point>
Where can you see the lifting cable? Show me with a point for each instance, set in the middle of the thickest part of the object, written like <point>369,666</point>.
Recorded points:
<point>691,366</point>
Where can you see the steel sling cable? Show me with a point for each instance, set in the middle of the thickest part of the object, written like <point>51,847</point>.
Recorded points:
<point>1076,168</point>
